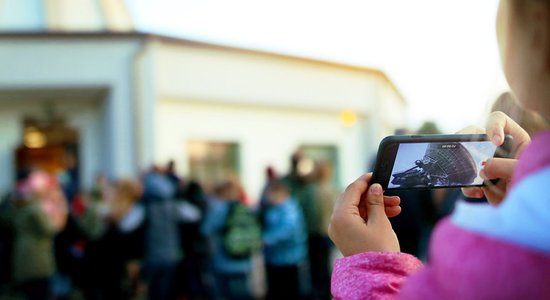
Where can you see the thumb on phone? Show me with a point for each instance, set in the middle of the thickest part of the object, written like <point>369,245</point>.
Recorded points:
<point>375,204</point>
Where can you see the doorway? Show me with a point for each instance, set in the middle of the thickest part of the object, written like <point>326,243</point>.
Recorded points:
<point>49,145</point>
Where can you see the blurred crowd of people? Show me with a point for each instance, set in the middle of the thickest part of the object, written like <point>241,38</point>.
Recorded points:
<point>164,237</point>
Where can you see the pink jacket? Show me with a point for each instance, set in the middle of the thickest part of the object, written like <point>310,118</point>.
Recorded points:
<point>481,252</point>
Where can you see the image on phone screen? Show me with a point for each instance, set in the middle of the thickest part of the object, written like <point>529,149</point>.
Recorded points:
<point>440,164</point>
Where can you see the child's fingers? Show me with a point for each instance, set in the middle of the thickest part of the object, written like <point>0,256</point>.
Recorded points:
<point>391,206</point>
<point>495,193</point>
<point>500,124</point>
<point>391,201</point>
<point>354,191</point>
<point>375,204</point>
<point>473,192</point>
<point>392,211</point>
<point>499,168</point>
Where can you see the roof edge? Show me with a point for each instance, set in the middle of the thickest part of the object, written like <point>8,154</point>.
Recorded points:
<point>177,40</point>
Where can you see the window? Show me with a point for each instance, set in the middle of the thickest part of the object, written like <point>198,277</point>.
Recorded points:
<point>327,153</point>
<point>211,162</point>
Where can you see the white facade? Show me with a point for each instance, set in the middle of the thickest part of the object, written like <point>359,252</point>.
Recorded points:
<point>270,105</point>
<point>138,99</point>
<point>65,71</point>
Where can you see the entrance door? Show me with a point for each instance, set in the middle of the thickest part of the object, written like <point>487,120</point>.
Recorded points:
<point>52,146</point>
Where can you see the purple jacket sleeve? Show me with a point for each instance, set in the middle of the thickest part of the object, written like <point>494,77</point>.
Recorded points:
<point>372,275</point>
<point>463,265</point>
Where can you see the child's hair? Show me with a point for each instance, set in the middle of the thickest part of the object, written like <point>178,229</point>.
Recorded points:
<point>278,186</point>
<point>323,170</point>
<point>127,192</point>
<point>519,5</point>
<point>228,189</point>
<point>128,189</point>
<point>528,120</point>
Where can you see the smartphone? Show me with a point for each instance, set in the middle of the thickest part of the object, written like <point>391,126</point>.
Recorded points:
<point>434,161</point>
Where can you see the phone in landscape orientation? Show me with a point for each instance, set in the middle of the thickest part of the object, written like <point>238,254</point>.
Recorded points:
<point>434,161</point>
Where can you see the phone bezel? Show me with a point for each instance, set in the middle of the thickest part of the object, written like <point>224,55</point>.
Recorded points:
<point>389,146</point>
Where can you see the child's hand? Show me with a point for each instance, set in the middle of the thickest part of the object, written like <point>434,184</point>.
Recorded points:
<point>360,221</point>
<point>498,126</point>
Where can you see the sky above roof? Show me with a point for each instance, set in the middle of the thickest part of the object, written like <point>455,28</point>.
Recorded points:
<point>442,55</point>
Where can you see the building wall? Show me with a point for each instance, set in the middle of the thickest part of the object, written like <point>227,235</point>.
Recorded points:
<point>393,109</point>
<point>58,63</point>
<point>161,93</point>
<point>64,15</point>
<point>266,135</point>
<point>9,135</point>
<point>387,115</point>
<point>209,73</point>
<point>270,105</point>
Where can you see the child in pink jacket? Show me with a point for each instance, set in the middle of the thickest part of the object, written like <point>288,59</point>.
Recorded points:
<point>497,251</point>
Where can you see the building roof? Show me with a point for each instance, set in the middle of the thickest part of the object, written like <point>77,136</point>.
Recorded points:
<point>193,43</point>
<point>112,19</point>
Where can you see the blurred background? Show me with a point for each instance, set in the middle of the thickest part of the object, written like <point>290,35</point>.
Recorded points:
<point>210,92</point>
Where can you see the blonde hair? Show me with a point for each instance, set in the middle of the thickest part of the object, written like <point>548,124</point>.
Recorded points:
<point>229,189</point>
<point>127,192</point>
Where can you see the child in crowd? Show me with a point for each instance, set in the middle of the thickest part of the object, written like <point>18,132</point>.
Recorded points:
<point>40,213</point>
<point>285,242</point>
<point>231,274</point>
<point>497,251</point>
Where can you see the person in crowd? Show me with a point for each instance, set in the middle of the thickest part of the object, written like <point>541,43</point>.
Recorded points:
<point>192,277</point>
<point>40,213</point>
<point>92,217</point>
<point>172,175</point>
<point>69,257</point>
<point>270,176</point>
<point>231,273</point>
<point>6,238</point>
<point>285,243</point>
<point>100,188</point>
<point>320,246</point>
<point>480,249</point>
<point>162,245</point>
<point>67,174</point>
<point>115,233</point>
<point>299,182</point>
<point>68,250</point>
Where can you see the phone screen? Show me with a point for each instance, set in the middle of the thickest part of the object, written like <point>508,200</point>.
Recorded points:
<point>439,164</point>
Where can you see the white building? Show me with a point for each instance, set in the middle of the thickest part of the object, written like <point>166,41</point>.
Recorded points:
<point>122,100</point>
